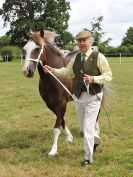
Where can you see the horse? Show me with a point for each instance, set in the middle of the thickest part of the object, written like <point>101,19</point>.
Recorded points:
<point>40,50</point>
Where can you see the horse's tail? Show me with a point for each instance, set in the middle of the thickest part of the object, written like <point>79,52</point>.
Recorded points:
<point>108,95</point>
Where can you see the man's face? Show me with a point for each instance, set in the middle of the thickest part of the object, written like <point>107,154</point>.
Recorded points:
<point>84,44</point>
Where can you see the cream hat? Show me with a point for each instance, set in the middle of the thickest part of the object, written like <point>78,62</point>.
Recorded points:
<point>83,34</point>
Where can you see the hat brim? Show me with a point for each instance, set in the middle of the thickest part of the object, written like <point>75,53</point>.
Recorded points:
<point>82,37</point>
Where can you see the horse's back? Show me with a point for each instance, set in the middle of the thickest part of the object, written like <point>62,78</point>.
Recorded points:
<point>70,55</point>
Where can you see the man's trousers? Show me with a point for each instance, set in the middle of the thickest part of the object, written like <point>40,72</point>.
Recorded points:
<point>87,109</point>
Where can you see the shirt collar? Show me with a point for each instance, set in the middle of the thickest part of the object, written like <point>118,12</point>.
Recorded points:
<point>88,52</point>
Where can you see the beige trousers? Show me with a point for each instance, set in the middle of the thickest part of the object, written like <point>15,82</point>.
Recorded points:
<point>87,110</point>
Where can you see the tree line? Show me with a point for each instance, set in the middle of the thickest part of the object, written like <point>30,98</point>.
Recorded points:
<point>34,15</point>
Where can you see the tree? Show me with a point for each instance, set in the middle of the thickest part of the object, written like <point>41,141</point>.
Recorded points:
<point>11,52</point>
<point>97,32</point>
<point>123,49</point>
<point>128,38</point>
<point>33,15</point>
<point>4,40</point>
<point>130,48</point>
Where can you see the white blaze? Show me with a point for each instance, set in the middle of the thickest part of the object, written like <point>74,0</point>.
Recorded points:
<point>29,47</point>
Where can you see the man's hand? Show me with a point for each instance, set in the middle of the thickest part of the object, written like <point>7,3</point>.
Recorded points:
<point>47,68</point>
<point>88,79</point>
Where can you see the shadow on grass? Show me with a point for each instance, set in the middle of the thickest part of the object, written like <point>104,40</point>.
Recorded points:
<point>30,146</point>
<point>23,139</point>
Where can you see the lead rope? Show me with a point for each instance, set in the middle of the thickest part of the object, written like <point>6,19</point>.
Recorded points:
<point>103,107</point>
<point>74,98</point>
<point>61,84</point>
<point>101,103</point>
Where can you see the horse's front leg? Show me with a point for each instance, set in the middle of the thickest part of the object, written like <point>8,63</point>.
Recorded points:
<point>59,111</point>
<point>54,148</point>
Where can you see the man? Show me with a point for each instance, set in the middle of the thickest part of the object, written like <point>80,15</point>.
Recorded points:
<point>90,71</point>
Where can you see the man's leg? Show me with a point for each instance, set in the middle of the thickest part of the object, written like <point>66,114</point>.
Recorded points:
<point>91,112</point>
<point>80,114</point>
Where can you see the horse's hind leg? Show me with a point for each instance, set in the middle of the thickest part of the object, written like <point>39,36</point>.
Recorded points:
<point>68,134</point>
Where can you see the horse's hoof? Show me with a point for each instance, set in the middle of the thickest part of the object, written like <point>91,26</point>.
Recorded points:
<point>69,138</point>
<point>53,152</point>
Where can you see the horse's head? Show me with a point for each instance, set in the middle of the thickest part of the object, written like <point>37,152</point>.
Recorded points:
<point>35,50</point>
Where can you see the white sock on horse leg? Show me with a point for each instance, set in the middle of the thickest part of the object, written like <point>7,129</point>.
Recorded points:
<point>68,134</point>
<point>54,146</point>
<point>56,135</point>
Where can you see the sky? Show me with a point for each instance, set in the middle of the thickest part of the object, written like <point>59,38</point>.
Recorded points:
<point>117,17</point>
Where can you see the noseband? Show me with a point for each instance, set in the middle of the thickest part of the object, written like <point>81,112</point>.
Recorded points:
<point>37,60</point>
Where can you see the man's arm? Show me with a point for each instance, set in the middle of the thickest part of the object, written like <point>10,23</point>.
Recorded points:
<point>106,73</point>
<point>62,72</point>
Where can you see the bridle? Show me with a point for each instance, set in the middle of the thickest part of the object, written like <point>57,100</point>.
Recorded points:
<point>37,60</point>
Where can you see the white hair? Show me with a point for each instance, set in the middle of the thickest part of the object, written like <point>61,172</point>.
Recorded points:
<point>92,39</point>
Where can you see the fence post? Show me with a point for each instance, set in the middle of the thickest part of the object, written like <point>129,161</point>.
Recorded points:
<point>120,58</point>
<point>7,58</point>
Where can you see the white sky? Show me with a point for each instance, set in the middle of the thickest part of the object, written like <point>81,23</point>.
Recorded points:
<point>118,17</point>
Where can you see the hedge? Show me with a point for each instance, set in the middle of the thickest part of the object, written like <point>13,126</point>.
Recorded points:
<point>11,52</point>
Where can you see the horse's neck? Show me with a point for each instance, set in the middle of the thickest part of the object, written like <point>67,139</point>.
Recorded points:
<point>41,71</point>
<point>70,55</point>
<point>54,59</point>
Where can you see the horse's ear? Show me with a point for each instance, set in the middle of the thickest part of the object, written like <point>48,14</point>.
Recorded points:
<point>42,33</point>
<point>26,35</point>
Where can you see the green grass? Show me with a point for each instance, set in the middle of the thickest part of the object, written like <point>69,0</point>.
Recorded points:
<point>26,129</point>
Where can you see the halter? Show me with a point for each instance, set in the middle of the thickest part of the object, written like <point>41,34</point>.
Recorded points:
<point>37,60</point>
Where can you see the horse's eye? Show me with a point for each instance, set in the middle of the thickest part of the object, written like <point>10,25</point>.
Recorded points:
<point>37,50</point>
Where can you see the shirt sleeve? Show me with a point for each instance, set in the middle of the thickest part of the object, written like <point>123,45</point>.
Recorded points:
<point>66,72</point>
<point>106,73</point>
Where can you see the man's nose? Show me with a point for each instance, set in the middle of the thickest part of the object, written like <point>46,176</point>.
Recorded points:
<point>81,41</point>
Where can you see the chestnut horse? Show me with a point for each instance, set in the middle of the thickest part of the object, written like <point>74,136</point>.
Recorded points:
<point>39,51</point>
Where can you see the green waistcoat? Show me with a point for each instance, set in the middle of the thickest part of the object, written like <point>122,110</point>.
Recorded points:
<point>90,68</point>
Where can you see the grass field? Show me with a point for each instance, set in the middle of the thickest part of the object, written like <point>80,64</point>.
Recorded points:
<point>26,129</point>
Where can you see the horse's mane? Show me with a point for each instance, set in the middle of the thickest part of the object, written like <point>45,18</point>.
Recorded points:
<point>49,36</point>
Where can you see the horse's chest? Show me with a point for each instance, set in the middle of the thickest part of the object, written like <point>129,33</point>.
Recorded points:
<point>49,92</point>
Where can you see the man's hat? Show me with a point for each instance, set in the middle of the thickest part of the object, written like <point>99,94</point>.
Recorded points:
<point>83,34</point>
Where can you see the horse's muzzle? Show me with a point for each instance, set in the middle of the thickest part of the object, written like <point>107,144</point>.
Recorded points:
<point>28,73</point>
